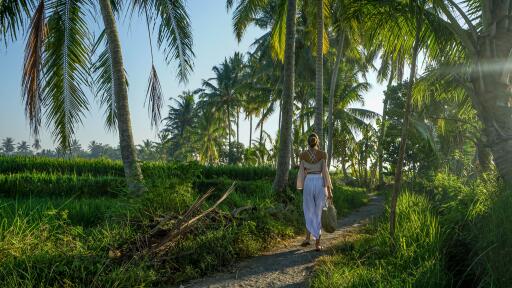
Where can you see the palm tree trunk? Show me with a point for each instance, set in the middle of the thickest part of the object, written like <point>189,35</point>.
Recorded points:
<point>483,155</point>
<point>250,131</point>
<point>280,113</point>
<point>229,135</point>
<point>261,132</point>
<point>302,119</point>
<point>238,125</point>
<point>382,133</point>
<point>332,90</point>
<point>344,159</point>
<point>132,170</point>
<point>405,130</point>
<point>492,86</point>
<point>319,113</point>
<point>292,152</point>
<point>283,161</point>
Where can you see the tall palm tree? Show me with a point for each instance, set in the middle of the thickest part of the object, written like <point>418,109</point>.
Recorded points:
<point>332,90</point>
<point>481,32</point>
<point>210,132</point>
<point>23,148</point>
<point>57,63</point>
<point>285,141</point>
<point>95,149</point>
<point>8,145</point>
<point>37,144</point>
<point>319,67</point>
<point>180,120</point>
<point>146,150</point>
<point>221,93</point>
<point>76,148</point>
<point>128,152</point>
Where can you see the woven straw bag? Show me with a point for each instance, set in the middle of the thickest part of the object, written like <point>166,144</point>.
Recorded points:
<point>329,217</point>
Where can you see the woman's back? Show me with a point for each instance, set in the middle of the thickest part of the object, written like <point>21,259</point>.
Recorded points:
<point>312,160</point>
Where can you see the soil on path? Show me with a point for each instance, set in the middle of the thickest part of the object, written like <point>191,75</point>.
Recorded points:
<point>289,265</point>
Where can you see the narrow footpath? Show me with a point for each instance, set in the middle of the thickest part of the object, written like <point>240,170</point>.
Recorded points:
<point>289,265</point>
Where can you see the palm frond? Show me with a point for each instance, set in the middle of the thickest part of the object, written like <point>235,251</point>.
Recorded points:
<point>66,65</point>
<point>13,14</point>
<point>244,14</point>
<point>103,87</point>
<point>32,68</point>
<point>154,97</point>
<point>175,35</point>
<point>278,32</point>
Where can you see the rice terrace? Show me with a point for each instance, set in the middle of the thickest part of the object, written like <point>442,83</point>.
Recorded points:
<point>255,143</point>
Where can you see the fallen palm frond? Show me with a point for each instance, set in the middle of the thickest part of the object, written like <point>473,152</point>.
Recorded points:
<point>170,228</point>
<point>186,223</point>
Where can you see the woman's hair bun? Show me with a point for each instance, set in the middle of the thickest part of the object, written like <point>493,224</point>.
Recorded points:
<point>313,140</point>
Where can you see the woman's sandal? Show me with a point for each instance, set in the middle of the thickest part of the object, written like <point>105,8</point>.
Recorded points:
<point>305,243</point>
<point>319,248</point>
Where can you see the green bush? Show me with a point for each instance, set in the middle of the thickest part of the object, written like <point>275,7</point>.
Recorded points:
<point>347,198</point>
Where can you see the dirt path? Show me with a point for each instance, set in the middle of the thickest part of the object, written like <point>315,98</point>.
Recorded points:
<point>288,265</point>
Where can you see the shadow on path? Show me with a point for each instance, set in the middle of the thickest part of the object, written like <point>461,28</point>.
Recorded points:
<point>288,265</point>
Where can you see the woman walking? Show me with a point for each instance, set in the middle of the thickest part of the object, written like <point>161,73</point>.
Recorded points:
<point>314,178</point>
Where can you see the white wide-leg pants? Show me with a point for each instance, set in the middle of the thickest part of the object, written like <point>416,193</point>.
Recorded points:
<point>313,202</point>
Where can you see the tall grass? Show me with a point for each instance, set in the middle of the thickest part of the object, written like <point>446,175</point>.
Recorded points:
<point>416,260</point>
<point>106,167</point>
<point>55,185</point>
<point>50,236</point>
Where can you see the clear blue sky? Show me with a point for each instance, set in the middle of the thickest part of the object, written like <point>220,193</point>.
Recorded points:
<point>213,41</point>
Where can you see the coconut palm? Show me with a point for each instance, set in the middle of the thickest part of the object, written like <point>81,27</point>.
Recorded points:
<point>221,93</point>
<point>285,141</point>
<point>96,149</point>
<point>36,145</point>
<point>57,63</point>
<point>180,119</point>
<point>23,148</point>
<point>146,150</point>
<point>210,132</point>
<point>423,30</point>
<point>76,148</point>
<point>481,33</point>
<point>8,146</point>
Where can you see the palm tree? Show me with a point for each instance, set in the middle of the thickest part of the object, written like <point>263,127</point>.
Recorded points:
<point>319,106</point>
<point>481,32</point>
<point>221,93</point>
<point>128,152</point>
<point>180,119</point>
<point>411,16</point>
<point>23,148</point>
<point>146,150</point>
<point>332,90</point>
<point>8,146</point>
<point>416,12</point>
<point>96,149</point>
<point>391,67</point>
<point>209,137</point>
<point>57,64</point>
<point>37,144</point>
<point>76,148</point>
<point>285,141</point>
